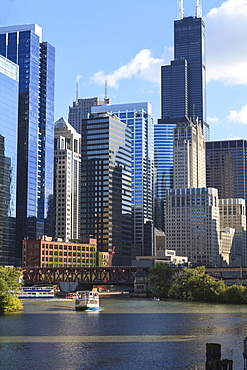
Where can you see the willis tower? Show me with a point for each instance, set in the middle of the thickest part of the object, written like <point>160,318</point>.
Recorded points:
<point>183,82</point>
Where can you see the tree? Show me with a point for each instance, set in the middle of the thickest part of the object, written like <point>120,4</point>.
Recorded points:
<point>196,285</point>
<point>9,280</point>
<point>234,294</point>
<point>160,277</point>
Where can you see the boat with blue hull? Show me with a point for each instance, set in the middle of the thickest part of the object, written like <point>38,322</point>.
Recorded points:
<point>35,292</point>
<point>87,301</point>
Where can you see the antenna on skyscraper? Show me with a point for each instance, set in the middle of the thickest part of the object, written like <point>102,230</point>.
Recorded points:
<point>106,92</point>
<point>78,77</point>
<point>181,9</point>
<point>198,9</point>
<point>77,91</point>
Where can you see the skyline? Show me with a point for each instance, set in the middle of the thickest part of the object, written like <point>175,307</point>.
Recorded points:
<point>98,47</point>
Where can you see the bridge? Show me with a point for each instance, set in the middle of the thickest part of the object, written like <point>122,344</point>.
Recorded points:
<point>228,272</point>
<point>97,275</point>
<point>112,275</point>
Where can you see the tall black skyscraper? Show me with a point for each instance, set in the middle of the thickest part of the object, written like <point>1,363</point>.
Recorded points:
<point>183,83</point>
<point>106,184</point>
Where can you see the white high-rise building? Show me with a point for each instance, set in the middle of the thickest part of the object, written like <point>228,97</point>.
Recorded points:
<point>233,215</point>
<point>189,169</point>
<point>67,180</point>
<point>192,224</point>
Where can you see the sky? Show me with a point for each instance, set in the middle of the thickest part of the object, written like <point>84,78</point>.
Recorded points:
<point>127,41</point>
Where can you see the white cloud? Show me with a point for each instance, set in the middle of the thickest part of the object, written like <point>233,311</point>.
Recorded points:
<point>212,119</point>
<point>233,137</point>
<point>143,66</point>
<point>78,77</point>
<point>240,116</point>
<point>226,30</point>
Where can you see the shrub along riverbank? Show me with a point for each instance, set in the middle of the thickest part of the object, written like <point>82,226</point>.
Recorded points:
<point>9,280</point>
<point>195,285</point>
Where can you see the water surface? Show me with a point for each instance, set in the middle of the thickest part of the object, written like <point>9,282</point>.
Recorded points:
<point>127,333</point>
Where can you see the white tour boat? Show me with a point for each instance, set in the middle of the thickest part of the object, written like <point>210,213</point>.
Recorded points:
<point>35,292</point>
<point>87,300</point>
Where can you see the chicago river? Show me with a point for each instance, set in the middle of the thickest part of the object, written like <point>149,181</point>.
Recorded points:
<point>126,333</point>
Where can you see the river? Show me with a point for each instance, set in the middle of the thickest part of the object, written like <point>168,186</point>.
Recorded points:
<point>126,334</point>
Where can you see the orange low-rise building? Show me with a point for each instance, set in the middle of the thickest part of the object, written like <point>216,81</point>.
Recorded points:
<point>48,252</point>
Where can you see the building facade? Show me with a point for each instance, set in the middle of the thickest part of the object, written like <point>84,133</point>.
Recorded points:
<point>106,184</point>
<point>138,116</point>
<point>36,59</point>
<point>189,165</point>
<point>48,252</point>
<point>192,224</point>
<point>233,215</point>
<point>67,180</point>
<point>226,168</point>
<point>163,167</point>
<point>9,81</point>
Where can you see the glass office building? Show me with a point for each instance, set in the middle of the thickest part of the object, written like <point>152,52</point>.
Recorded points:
<point>106,184</point>
<point>163,167</point>
<point>226,168</point>
<point>138,116</point>
<point>36,59</point>
<point>9,78</point>
<point>183,83</point>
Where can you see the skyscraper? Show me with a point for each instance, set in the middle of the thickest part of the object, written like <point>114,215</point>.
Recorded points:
<point>226,168</point>
<point>138,116</point>
<point>189,166</point>
<point>81,109</point>
<point>192,224</point>
<point>183,83</point>
<point>183,94</point>
<point>36,59</point>
<point>67,180</point>
<point>9,79</point>
<point>163,167</point>
<point>233,215</point>
<point>106,184</point>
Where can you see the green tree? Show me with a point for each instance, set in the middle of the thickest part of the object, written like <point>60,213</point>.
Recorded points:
<point>9,280</point>
<point>196,285</point>
<point>234,294</point>
<point>160,277</point>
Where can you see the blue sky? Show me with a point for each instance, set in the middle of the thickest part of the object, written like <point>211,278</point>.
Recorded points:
<point>127,42</point>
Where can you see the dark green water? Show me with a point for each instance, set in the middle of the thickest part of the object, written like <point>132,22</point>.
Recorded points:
<point>126,334</point>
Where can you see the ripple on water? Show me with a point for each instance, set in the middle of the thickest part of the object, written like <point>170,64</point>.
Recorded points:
<point>126,333</point>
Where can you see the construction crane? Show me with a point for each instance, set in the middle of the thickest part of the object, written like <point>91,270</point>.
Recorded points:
<point>111,254</point>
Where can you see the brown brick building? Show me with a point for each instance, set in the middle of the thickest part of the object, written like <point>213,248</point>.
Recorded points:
<point>47,252</point>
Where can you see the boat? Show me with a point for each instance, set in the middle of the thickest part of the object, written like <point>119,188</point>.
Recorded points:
<point>71,295</point>
<point>87,300</point>
<point>34,292</point>
<point>155,299</point>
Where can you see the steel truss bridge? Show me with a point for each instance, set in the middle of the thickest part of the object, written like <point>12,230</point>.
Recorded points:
<point>111,275</point>
<point>97,275</point>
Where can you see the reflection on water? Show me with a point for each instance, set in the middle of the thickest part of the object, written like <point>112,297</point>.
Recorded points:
<point>126,333</point>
